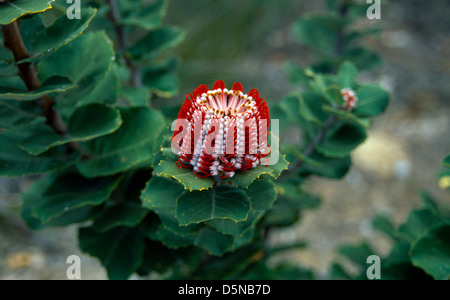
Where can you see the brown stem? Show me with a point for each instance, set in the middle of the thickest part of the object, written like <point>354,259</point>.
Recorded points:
<point>14,42</point>
<point>114,16</point>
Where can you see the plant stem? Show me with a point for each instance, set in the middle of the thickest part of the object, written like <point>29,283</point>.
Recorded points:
<point>114,16</point>
<point>13,41</point>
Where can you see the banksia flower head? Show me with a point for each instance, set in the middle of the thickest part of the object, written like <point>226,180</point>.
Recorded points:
<point>220,132</point>
<point>350,98</point>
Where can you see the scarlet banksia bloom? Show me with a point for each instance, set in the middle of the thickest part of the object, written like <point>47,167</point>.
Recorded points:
<point>220,132</point>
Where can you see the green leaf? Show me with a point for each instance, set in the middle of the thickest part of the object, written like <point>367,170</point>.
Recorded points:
<point>340,140</point>
<point>134,143</point>
<point>245,178</point>
<point>346,116</point>
<point>160,194</point>
<point>12,10</point>
<point>219,202</point>
<point>156,42</point>
<point>362,58</point>
<point>446,161</point>
<point>54,195</point>
<point>347,74</point>
<point>78,215</point>
<point>105,91</point>
<point>147,17</point>
<point>124,215</point>
<point>135,96</point>
<point>16,115</point>
<point>384,225</point>
<point>213,242</point>
<point>120,250</point>
<point>262,196</point>
<point>85,124</point>
<point>86,61</point>
<point>418,222</point>
<point>357,254</point>
<point>330,167</point>
<point>54,84</point>
<point>372,100</point>
<point>431,252</point>
<point>42,41</point>
<point>161,78</point>
<point>311,108</point>
<point>16,162</point>
<point>184,176</point>
<point>296,74</point>
<point>318,32</point>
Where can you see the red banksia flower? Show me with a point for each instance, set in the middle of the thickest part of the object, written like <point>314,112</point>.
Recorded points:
<point>220,132</point>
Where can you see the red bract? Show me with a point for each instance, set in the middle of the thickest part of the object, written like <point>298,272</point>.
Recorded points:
<point>220,132</point>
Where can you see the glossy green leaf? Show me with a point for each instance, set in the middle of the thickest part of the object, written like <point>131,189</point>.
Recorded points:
<point>431,252</point>
<point>53,196</point>
<point>120,250</point>
<point>262,196</point>
<point>219,202</point>
<point>156,42</point>
<point>184,176</point>
<point>54,84</point>
<point>132,144</point>
<point>86,61</point>
<point>42,41</point>
<point>245,178</point>
<point>15,115</point>
<point>87,123</point>
<point>160,194</point>
<point>12,10</point>
<point>372,100</point>
<point>15,161</point>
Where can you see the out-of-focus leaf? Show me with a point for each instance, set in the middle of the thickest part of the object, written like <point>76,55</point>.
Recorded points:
<point>431,252</point>
<point>161,78</point>
<point>156,42</point>
<point>120,250</point>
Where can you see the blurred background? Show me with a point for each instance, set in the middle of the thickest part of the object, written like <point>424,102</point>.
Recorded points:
<point>249,41</point>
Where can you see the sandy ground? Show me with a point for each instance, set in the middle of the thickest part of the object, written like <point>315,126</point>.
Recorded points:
<point>402,154</point>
